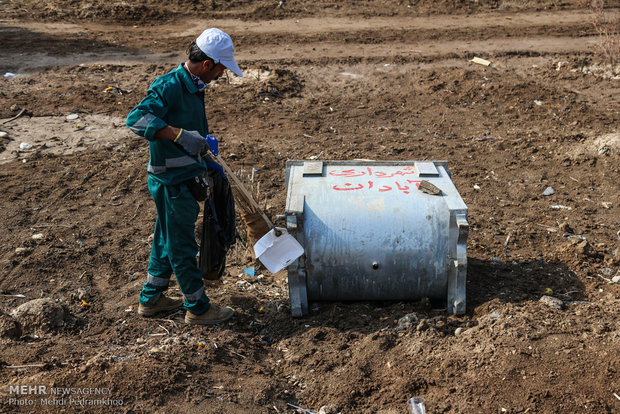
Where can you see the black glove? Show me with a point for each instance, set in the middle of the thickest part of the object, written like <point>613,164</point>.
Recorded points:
<point>191,141</point>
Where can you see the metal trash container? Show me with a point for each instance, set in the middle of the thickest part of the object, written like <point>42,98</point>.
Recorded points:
<point>370,233</point>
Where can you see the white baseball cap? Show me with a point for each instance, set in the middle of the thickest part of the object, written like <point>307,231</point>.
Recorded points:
<point>219,46</point>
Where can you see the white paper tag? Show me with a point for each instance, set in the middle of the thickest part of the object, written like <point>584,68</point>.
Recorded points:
<point>277,252</point>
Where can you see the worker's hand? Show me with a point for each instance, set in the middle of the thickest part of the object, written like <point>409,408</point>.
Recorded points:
<point>191,141</point>
<point>214,146</point>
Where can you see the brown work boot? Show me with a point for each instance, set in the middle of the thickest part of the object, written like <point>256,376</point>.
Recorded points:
<point>163,304</point>
<point>215,314</point>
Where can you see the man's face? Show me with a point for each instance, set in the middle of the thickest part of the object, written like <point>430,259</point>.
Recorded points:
<point>211,71</point>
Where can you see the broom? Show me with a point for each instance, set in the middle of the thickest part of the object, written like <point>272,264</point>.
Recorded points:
<point>256,221</point>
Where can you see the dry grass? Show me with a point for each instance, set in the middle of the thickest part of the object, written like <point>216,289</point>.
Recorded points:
<point>607,25</point>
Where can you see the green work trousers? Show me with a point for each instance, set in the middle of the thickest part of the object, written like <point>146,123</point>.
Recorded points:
<point>174,247</point>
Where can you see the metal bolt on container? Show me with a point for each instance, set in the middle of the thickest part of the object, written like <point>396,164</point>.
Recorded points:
<point>376,230</point>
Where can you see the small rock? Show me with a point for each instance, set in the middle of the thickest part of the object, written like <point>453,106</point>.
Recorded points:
<point>616,279</point>
<point>552,302</point>
<point>72,117</point>
<point>565,228</point>
<point>40,315</point>
<point>583,248</point>
<point>38,236</point>
<point>548,191</point>
<point>25,145</point>
<point>4,134</point>
<point>22,250</point>
<point>82,293</point>
<point>458,331</point>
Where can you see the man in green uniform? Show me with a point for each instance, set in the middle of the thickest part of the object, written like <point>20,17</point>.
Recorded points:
<point>172,118</point>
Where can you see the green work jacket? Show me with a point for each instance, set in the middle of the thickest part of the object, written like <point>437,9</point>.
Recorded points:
<point>172,99</point>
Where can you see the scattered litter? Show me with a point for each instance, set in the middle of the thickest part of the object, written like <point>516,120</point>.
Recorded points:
<point>9,75</point>
<point>407,322</point>
<point>24,366</point>
<point>249,271</point>
<point>476,187</point>
<point>617,396</point>
<point>416,405</point>
<point>315,157</point>
<point>85,304</point>
<point>277,252</point>
<point>299,408</point>
<point>25,145</point>
<point>576,236</point>
<point>560,65</point>
<point>480,61</point>
<point>115,90</point>
<point>548,291</point>
<point>616,279</point>
<point>560,207</point>
<point>261,309</point>
<point>14,296</point>
<point>494,315</point>
<point>38,236</point>
<point>72,117</point>
<point>607,204</point>
<point>537,102</point>
<point>119,358</point>
<point>20,113</point>
<point>548,191</point>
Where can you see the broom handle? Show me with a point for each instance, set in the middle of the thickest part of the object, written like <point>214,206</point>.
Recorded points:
<point>244,192</point>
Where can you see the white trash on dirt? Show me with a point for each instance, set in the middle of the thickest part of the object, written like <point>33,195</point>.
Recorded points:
<point>277,252</point>
<point>416,405</point>
<point>480,61</point>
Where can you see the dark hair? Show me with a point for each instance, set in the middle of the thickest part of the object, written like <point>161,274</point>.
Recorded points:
<point>195,54</point>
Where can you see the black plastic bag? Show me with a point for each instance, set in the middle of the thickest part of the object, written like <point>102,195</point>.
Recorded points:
<point>219,228</point>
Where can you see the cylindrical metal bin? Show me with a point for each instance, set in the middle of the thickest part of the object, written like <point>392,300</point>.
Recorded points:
<point>370,232</point>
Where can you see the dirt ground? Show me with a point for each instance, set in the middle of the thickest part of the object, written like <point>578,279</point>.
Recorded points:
<point>333,80</point>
